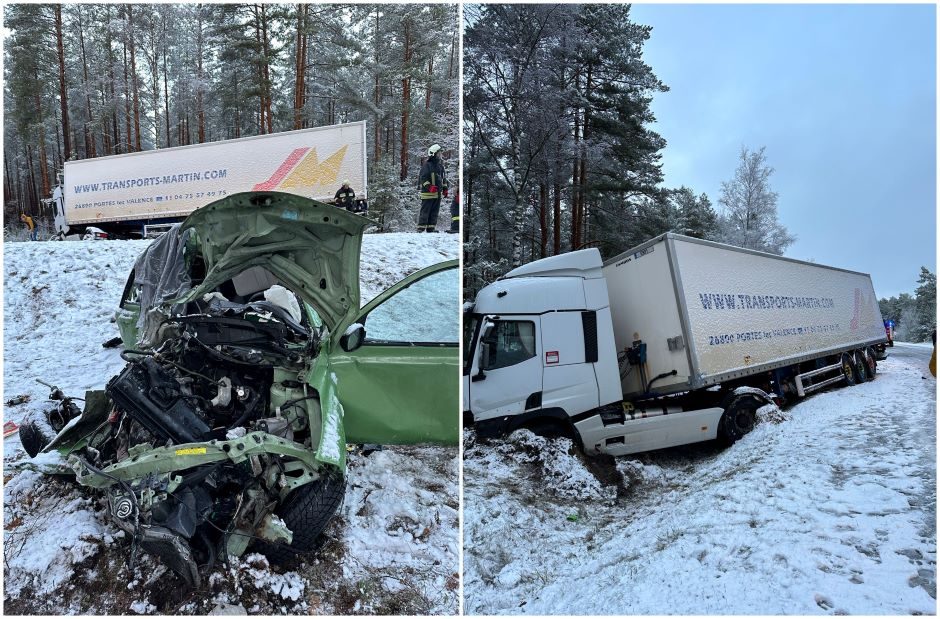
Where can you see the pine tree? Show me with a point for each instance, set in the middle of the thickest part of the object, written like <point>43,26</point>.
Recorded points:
<point>925,306</point>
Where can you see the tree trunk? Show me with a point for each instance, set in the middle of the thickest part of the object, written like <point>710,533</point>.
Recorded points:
<point>134,81</point>
<point>166,88</point>
<point>582,180</point>
<point>556,219</point>
<point>116,136</point>
<point>543,224</point>
<point>377,147</point>
<point>89,138</point>
<point>427,98</point>
<point>200,98</point>
<point>266,78</point>
<point>518,230</point>
<point>127,103</point>
<point>405,102</point>
<point>300,65</point>
<point>575,192</point>
<point>63,89</point>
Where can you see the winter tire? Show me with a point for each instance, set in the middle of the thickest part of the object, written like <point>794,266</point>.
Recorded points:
<point>860,367</point>
<point>739,418</point>
<point>848,369</point>
<point>872,363</point>
<point>306,512</point>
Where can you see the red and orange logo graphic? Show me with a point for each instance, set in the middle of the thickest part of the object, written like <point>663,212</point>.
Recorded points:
<point>303,168</point>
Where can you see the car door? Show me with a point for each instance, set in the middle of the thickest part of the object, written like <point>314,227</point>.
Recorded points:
<point>401,385</point>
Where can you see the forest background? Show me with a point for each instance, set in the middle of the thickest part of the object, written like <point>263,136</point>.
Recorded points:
<point>90,80</point>
<point>559,154</point>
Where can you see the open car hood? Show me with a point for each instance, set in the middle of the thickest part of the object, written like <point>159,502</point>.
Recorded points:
<point>311,247</point>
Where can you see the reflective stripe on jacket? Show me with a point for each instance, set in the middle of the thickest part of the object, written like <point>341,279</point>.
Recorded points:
<point>432,173</point>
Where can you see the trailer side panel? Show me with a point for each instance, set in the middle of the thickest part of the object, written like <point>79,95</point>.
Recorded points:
<point>749,312</point>
<point>173,182</point>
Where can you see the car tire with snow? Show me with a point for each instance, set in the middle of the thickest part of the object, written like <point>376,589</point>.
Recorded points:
<point>848,369</point>
<point>739,418</point>
<point>306,512</point>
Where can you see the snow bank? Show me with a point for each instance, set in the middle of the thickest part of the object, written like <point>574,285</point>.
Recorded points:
<point>830,510</point>
<point>59,300</point>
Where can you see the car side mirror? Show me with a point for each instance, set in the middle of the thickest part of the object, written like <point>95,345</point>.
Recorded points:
<point>353,338</point>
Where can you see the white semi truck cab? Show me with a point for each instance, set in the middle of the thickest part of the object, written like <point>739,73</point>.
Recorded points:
<point>615,354</point>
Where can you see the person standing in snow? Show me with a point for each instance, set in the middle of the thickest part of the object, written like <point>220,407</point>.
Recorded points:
<point>30,226</point>
<point>455,214</point>
<point>345,197</point>
<point>432,185</point>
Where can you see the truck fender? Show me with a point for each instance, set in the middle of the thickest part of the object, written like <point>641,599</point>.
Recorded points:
<point>551,421</point>
<point>740,414</point>
<point>548,422</point>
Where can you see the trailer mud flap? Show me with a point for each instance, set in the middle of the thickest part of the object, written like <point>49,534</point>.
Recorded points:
<point>649,433</point>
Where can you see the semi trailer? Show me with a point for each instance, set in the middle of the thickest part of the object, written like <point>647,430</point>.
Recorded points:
<point>133,194</point>
<point>676,341</point>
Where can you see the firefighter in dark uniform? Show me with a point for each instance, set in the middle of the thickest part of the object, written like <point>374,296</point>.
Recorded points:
<point>432,183</point>
<point>455,214</point>
<point>345,197</point>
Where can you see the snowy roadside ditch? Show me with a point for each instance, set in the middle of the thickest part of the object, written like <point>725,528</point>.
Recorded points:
<point>392,548</point>
<point>826,507</point>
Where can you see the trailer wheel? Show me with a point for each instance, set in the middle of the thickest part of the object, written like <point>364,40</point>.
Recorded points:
<point>872,363</point>
<point>848,369</point>
<point>861,367</point>
<point>739,418</point>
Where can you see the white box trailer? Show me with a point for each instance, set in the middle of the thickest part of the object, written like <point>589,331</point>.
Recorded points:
<point>713,312</point>
<point>676,341</point>
<point>129,191</point>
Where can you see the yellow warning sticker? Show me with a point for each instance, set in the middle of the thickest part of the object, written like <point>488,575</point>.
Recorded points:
<point>191,451</point>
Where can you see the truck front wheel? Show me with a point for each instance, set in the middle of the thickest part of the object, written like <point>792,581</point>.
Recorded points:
<point>739,418</point>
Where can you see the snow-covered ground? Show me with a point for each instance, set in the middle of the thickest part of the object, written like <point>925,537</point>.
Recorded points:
<point>830,511</point>
<point>392,548</point>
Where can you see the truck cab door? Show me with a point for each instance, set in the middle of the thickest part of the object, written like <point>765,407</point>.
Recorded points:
<point>505,377</point>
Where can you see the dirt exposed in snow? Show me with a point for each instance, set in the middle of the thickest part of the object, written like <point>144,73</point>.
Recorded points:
<point>827,509</point>
<point>392,548</point>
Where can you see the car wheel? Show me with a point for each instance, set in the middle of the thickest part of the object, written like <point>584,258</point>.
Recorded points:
<point>848,369</point>
<point>872,363</point>
<point>739,418</point>
<point>306,512</point>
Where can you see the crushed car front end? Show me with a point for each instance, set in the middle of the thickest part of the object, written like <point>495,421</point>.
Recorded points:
<point>224,429</point>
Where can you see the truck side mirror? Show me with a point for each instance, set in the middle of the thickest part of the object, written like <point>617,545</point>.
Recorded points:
<point>485,355</point>
<point>486,347</point>
<point>353,338</point>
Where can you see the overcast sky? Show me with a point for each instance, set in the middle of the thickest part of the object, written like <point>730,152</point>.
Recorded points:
<point>844,99</point>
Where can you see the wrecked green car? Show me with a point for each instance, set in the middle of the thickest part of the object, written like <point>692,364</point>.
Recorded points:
<point>250,367</point>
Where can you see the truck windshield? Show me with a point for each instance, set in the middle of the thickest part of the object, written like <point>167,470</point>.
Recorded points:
<point>470,324</point>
